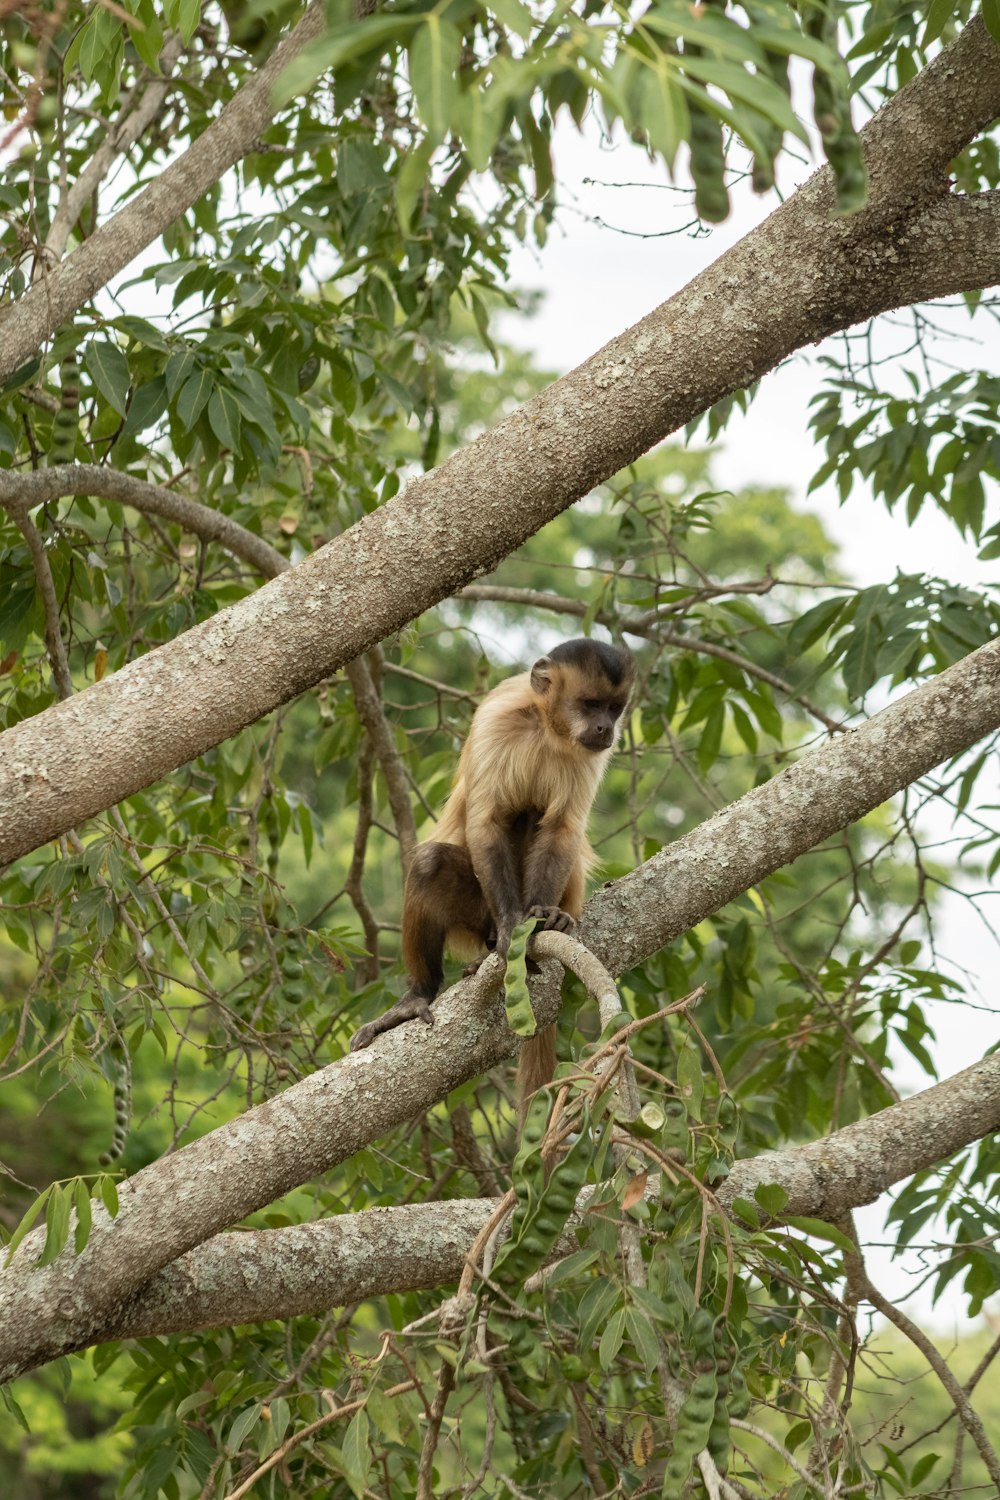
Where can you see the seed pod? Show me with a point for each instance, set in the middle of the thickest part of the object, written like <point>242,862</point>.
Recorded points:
<point>66,421</point>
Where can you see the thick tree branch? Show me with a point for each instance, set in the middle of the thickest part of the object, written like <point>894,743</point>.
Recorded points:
<point>795,279</point>
<point>259,1275</point>
<point>27,323</point>
<point>827,1179</point>
<point>243,1166</point>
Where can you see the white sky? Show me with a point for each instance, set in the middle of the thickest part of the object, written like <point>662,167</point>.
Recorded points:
<point>596,283</point>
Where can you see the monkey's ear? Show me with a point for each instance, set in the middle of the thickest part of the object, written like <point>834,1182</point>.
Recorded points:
<point>541,675</point>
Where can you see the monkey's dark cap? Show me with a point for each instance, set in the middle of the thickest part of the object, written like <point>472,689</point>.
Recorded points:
<point>585,655</point>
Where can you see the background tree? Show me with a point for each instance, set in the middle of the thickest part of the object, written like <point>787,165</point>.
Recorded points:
<point>206,839</point>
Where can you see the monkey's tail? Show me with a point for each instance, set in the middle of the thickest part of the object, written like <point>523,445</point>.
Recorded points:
<point>536,1067</point>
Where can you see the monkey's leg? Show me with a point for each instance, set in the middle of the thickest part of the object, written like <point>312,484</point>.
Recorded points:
<point>442,892</point>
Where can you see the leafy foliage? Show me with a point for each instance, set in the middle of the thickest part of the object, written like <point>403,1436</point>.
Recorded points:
<point>315,329</point>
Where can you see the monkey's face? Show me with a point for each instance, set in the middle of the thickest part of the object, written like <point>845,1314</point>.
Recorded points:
<point>582,690</point>
<point>594,720</point>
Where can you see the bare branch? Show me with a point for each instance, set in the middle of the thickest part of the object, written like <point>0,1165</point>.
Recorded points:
<point>967,1414</point>
<point>369,705</point>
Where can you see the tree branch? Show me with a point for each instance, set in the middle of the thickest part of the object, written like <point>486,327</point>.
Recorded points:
<point>967,1414</point>
<point>646,626</point>
<point>21,492</point>
<point>137,112</point>
<point>827,1179</point>
<point>259,1275</point>
<point>312,1126</point>
<point>27,323</point>
<point>793,280</point>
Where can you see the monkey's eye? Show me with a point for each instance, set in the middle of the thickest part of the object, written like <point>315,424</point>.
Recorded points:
<point>592,705</point>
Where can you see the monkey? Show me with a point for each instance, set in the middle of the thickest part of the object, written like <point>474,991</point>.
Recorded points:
<point>511,842</point>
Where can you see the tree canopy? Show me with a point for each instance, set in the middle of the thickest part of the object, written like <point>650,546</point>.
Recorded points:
<point>277,506</point>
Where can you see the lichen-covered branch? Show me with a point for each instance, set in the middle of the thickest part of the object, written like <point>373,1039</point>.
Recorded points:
<point>258,1275</point>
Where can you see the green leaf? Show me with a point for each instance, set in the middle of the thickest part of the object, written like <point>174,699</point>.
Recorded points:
<point>771,1197</point>
<point>355,1453</point>
<point>643,1336</point>
<point>663,111</point>
<point>146,407</point>
<point>56,1224</point>
<point>515,16</point>
<point>411,182</point>
<point>188,15</point>
<point>343,44</point>
<point>814,623</point>
<point>146,35</point>
<point>108,369</point>
<point>84,1218</point>
<point>611,1339</point>
<point>178,368</point>
<point>818,1229</point>
<point>479,117</point>
<point>244,1423</point>
<point>690,1078</point>
<point>26,1222</point>
<point>434,54</point>
<point>11,1405</point>
<point>755,89</point>
<point>109,1195</point>
<point>224,417</point>
<point>516,1000</point>
<point>991,15</point>
<point>924,1465</point>
<point>939,13</point>
<point>194,396</point>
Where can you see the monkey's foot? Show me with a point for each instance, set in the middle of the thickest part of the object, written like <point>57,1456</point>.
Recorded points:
<point>552,918</point>
<point>410,1008</point>
<point>475,966</point>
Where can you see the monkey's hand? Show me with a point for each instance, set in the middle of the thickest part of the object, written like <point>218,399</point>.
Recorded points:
<point>552,918</point>
<point>410,1008</point>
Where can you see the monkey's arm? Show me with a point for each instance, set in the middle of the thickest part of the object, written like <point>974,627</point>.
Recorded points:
<point>552,859</point>
<point>495,863</point>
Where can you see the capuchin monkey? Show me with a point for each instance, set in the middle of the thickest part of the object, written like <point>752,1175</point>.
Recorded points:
<point>511,843</point>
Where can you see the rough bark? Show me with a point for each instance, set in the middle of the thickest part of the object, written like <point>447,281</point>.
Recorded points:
<point>827,1179</point>
<point>307,1269</point>
<point>798,277</point>
<point>182,1200</point>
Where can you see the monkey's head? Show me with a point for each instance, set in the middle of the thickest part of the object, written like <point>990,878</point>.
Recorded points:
<point>583,687</point>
